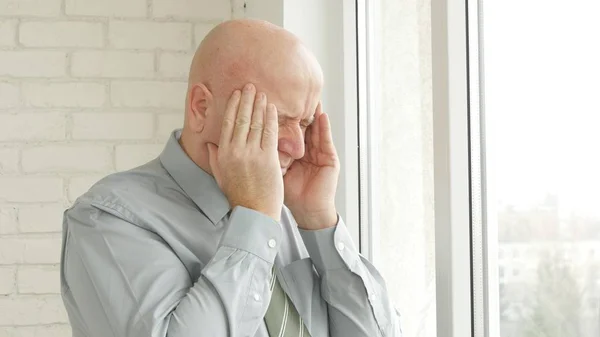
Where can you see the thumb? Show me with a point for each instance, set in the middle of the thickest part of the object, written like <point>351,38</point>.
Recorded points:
<point>213,161</point>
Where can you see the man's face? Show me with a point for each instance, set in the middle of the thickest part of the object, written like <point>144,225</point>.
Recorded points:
<point>296,106</point>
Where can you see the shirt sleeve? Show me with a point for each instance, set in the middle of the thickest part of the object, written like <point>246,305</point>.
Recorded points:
<point>356,294</point>
<point>122,280</point>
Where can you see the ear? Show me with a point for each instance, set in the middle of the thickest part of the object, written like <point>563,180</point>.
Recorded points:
<point>199,100</point>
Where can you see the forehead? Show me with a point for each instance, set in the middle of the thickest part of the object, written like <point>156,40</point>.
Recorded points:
<point>293,99</point>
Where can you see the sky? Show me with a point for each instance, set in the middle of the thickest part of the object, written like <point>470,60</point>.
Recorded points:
<point>542,93</point>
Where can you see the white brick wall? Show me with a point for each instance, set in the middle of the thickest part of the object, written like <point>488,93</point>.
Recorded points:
<point>9,160</point>
<point>55,330</point>
<point>32,126</point>
<point>150,35</point>
<point>9,95</point>
<point>8,32</point>
<point>61,34</point>
<point>8,220</point>
<point>87,88</point>
<point>107,8</point>
<point>149,94</point>
<point>67,95</point>
<point>112,64</point>
<point>193,9</point>
<point>28,279</point>
<point>28,63</point>
<point>25,8</point>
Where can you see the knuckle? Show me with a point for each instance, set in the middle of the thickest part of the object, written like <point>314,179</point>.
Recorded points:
<point>256,126</point>
<point>242,121</point>
<point>227,122</point>
<point>269,132</point>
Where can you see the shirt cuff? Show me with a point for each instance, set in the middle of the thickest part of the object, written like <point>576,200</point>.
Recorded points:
<point>330,248</point>
<point>253,232</point>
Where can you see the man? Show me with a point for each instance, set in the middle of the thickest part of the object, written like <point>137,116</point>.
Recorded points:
<point>198,242</point>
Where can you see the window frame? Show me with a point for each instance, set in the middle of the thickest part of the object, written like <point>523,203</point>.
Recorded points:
<point>466,242</point>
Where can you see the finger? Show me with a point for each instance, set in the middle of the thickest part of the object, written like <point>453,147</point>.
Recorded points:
<point>326,138</point>
<point>258,117</point>
<point>271,129</point>
<point>242,121</point>
<point>213,162</point>
<point>315,133</point>
<point>229,118</point>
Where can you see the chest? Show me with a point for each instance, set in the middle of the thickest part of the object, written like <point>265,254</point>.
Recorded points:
<point>195,239</point>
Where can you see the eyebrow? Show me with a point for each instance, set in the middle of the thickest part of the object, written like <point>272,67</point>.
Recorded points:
<point>306,121</point>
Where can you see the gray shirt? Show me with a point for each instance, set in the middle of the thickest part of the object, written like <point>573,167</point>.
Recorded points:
<point>157,251</point>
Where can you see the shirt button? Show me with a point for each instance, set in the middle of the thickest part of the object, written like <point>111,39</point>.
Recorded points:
<point>272,243</point>
<point>341,246</point>
<point>256,297</point>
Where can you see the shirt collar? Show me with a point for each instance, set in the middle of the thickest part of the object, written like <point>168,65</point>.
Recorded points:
<point>200,186</point>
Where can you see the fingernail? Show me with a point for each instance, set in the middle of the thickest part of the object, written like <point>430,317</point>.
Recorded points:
<point>248,87</point>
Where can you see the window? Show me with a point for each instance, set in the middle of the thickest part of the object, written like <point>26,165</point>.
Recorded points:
<point>497,164</point>
<point>541,88</point>
<point>397,214</point>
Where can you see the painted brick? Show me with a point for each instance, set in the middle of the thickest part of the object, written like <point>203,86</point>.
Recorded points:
<point>32,126</point>
<point>150,35</point>
<point>38,280</point>
<point>67,158</point>
<point>8,220</point>
<point>192,9</point>
<point>30,250</point>
<point>130,156</point>
<point>81,184</point>
<point>112,64</point>
<point>30,189</point>
<point>200,31</point>
<point>69,95</point>
<point>112,126</point>
<point>8,33</point>
<point>9,95</point>
<point>28,310</point>
<point>9,160</point>
<point>61,34</point>
<point>40,218</point>
<point>149,94</point>
<point>110,8</point>
<point>169,122</point>
<point>27,63</point>
<point>42,8</point>
<point>7,280</point>
<point>61,330</point>
<point>175,65</point>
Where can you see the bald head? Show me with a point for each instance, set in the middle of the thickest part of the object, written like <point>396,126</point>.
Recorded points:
<point>238,52</point>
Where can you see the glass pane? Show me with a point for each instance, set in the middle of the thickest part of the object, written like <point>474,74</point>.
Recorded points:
<point>404,238</point>
<point>542,83</point>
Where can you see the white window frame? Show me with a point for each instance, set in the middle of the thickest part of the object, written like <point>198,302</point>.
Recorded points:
<point>466,286</point>
<point>452,165</point>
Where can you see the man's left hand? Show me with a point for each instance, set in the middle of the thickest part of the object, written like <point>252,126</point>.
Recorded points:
<point>310,183</point>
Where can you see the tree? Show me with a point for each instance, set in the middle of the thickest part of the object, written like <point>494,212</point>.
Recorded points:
<point>556,305</point>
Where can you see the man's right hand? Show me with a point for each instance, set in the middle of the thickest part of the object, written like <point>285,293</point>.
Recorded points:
<point>246,164</point>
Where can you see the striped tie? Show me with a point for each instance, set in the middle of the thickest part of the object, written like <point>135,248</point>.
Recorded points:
<point>282,318</point>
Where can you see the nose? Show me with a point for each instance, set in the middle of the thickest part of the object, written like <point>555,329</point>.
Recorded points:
<point>291,141</point>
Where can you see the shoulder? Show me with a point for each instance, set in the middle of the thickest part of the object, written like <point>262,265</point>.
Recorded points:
<point>124,194</point>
